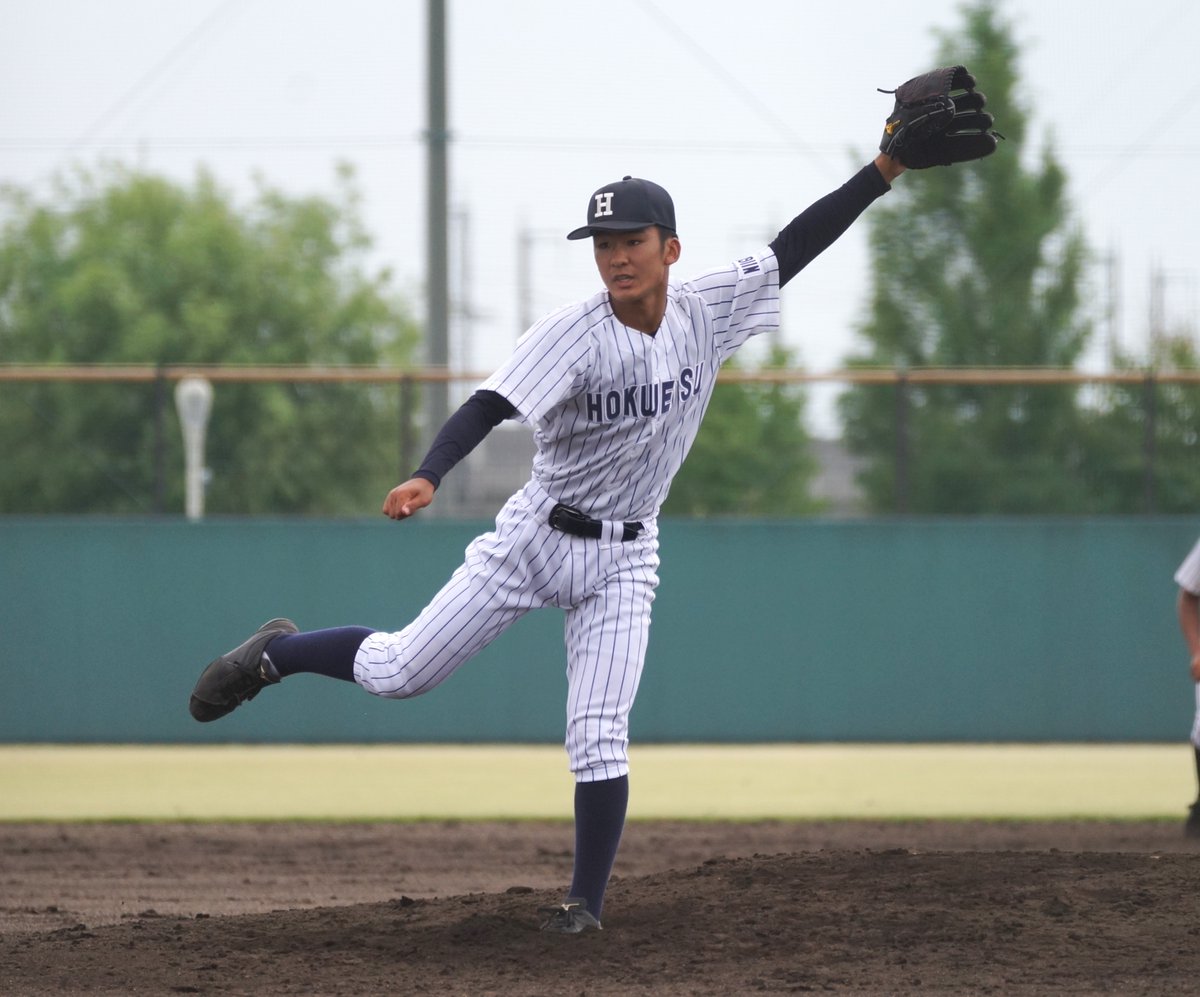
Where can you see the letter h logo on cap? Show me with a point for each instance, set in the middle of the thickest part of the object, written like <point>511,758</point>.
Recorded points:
<point>626,206</point>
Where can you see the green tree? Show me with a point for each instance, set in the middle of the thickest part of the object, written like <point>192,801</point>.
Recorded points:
<point>752,455</point>
<point>121,267</point>
<point>975,265</point>
<point>1143,440</point>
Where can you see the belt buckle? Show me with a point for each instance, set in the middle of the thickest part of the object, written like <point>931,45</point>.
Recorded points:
<point>558,516</point>
<point>568,519</point>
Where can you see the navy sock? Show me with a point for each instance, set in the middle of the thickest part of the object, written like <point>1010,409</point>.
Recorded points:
<point>323,652</point>
<point>599,821</point>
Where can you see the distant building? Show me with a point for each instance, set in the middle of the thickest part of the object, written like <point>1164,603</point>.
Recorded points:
<point>836,481</point>
<point>481,484</point>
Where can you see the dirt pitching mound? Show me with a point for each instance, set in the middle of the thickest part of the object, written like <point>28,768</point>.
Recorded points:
<point>852,907</point>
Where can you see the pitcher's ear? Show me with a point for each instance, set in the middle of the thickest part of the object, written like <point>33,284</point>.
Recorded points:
<point>674,248</point>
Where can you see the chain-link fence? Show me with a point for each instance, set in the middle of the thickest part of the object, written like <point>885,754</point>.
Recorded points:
<point>332,441</point>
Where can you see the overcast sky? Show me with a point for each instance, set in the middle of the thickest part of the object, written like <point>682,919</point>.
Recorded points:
<point>745,112</point>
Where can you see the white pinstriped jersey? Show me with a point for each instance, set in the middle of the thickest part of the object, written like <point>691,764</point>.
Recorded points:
<point>614,410</point>
<point>1188,575</point>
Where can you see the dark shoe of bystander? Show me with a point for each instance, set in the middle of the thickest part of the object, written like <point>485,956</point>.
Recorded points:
<point>1191,827</point>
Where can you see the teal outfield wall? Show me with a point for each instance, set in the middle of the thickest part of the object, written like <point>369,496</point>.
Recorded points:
<point>880,630</point>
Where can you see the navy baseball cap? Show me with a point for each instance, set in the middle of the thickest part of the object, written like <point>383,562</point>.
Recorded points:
<point>626,206</point>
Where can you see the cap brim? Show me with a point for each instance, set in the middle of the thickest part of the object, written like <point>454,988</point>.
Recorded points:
<point>589,230</point>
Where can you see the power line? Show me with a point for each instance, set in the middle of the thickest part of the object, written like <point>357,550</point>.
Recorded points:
<point>715,66</point>
<point>1151,40</point>
<point>1138,148</point>
<point>516,143</point>
<point>153,74</point>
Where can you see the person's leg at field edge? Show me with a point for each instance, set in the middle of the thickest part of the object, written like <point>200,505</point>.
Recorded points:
<point>1191,827</point>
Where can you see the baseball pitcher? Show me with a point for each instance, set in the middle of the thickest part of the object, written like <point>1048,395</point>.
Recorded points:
<point>614,389</point>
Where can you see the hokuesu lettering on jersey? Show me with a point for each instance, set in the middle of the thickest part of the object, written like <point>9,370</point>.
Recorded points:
<point>614,410</point>
<point>645,400</point>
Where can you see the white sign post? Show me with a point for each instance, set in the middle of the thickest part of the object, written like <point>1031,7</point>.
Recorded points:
<point>193,399</point>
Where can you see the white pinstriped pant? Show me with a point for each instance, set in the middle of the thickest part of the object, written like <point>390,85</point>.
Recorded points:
<point>606,589</point>
<point>1195,738</point>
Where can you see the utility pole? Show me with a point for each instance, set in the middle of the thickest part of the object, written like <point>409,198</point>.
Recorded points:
<point>1112,306</point>
<point>524,280</point>
<point>1158,284</point>
<point>527,240</point>
<point>1167,323</point>
<point>437,254</point>
<point>462,311</point>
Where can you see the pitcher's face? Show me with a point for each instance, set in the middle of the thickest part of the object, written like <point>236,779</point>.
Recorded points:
<point>634,265</point>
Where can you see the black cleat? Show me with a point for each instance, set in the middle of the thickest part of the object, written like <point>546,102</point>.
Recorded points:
<point>236,676</point>
<point>568,918</point>
<point>1191,827</point>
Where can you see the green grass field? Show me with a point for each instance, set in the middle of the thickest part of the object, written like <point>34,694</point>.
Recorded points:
<point>703,782</point>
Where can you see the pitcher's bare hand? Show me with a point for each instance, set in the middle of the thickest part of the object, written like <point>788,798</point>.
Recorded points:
<point>403,500</point>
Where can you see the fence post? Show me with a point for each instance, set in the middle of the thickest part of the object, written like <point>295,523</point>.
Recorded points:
<point>160,441</point>
<point>407,465</point>
<point>902,442</point>
<point>1149,442</point>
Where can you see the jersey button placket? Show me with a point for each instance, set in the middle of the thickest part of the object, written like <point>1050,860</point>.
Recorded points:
<point>657,363</point>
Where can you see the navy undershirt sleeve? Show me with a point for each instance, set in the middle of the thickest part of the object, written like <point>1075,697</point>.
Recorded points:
<point>818,226</point>
<point>462,433</point>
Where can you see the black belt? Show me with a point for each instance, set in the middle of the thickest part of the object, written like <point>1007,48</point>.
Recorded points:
<point>570,520</point>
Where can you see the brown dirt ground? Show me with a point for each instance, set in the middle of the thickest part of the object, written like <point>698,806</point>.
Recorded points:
<point>449,908</point>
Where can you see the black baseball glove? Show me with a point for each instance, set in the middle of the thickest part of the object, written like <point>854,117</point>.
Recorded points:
<point>938,120</point>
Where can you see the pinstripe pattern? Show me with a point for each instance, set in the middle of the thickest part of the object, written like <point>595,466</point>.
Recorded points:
<point>606,589</point>
<point>1195,736</point>
<point>614,413</point>
<point>1187,577</point>
<point>1188,574</point>
<point>606,639</point>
